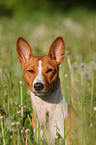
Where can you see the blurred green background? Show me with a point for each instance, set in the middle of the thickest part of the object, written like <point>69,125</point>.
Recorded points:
<point>40,22</point>
<point>10,7</point>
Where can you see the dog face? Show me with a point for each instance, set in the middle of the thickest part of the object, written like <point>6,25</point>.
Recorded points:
<point>41,73</point>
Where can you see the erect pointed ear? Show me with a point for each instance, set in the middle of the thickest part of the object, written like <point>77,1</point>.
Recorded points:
<point>24,51</point>
<point>56,50</point>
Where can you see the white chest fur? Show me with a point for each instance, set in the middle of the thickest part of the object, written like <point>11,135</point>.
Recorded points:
<point>50,111</point>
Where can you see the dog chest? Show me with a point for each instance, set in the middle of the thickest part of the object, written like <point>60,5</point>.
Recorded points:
<point>50,116</point>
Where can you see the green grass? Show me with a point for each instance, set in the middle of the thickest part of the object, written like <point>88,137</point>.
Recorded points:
<point>77,72</point>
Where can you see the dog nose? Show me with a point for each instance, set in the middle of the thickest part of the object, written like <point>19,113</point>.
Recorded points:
<point>38,86</point>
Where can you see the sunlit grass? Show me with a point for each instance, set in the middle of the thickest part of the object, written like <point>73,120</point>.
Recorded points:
<point>77,71</point>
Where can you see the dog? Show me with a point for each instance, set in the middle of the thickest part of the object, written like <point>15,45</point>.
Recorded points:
<point>41,73</point>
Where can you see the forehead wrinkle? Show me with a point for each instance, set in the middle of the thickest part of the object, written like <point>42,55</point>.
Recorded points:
<point>49,62</point>
<point>32,62</point>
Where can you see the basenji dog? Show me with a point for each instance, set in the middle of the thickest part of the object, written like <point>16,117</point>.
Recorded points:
<point>41,74</point>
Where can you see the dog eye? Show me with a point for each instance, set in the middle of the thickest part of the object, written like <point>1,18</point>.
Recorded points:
<point>49,70</point>
<point>31,71</point>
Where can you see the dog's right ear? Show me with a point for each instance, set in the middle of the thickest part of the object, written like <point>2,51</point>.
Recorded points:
<point>24,51</point>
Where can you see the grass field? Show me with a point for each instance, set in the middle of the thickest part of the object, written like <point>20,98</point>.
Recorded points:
<point>77,72</point>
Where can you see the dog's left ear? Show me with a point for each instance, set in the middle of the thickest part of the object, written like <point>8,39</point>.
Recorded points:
<point>56,50</point>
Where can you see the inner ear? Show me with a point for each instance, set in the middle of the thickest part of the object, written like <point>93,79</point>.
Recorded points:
<point>24,51</point>
<point>56,50</point>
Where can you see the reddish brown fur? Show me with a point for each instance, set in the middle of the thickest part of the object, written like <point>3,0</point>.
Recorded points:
<point>29,77</point>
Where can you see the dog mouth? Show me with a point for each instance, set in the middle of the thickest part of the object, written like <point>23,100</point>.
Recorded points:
<point>38,93</point>
<point>42,93</point>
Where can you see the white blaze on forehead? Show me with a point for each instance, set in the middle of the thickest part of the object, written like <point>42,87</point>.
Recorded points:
<point>39,77</point>
<point>39,68</point>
